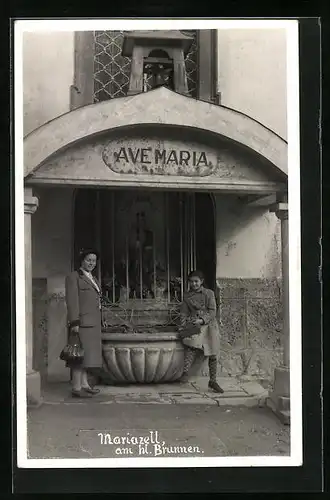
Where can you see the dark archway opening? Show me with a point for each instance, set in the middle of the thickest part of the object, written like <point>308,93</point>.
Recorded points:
<point>148,242</point>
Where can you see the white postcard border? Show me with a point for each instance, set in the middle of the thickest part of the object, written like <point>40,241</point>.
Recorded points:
<point>291,27</point>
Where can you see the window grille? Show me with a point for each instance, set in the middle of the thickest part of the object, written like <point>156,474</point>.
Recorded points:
<point>147,245</point>
<point>112,70</point>
<point>191,64</point>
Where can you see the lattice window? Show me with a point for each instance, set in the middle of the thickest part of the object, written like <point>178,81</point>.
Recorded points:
<point>112,70</point>
<point>191,64</point>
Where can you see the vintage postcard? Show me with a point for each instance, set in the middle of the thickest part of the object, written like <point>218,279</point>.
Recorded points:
<point>157,187</point>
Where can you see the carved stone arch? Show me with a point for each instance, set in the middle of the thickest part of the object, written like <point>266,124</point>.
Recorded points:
<point>158,107</point>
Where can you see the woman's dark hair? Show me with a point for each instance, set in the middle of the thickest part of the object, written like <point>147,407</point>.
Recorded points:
<point>196,274</point>
<point>86,251</point>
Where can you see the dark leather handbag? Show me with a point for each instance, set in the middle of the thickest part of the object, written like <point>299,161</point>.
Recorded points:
<point>73,352</point>
<point>188,330</point>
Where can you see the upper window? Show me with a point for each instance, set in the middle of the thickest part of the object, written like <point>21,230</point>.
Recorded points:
<point>112,70</point>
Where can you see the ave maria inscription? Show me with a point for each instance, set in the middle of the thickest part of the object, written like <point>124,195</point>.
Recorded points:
<point>159,161</point>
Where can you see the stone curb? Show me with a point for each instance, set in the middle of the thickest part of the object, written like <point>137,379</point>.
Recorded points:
<point>247,394</point>
<point>177,399</point>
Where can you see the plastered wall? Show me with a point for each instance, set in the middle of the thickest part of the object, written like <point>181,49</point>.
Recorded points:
<point>248,240</point>
<point>47,76</point>
<point>251,75</point>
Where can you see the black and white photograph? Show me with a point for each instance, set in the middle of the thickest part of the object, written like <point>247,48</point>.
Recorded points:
<point>157,256</point>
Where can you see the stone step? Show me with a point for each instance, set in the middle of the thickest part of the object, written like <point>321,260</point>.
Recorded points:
<point>284,404</point>
<point>194,392</point>
<point>285,417</point>
<point>283,414</point>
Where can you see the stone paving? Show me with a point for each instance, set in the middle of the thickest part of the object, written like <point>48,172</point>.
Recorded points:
<point>73,430</point>
<point>236,423</point>
<point>237,393</point>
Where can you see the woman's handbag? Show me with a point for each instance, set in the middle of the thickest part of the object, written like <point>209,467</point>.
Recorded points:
<point>73,352</point>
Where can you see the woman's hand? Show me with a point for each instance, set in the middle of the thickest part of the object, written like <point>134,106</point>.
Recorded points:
<point>198,321</point>
<point>74,335</point>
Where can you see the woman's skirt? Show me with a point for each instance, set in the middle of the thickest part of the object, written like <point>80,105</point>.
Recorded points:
<point>91,341</point>
<point>92,344</point>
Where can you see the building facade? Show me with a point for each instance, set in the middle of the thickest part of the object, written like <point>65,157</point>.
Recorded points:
<point>176,139</point>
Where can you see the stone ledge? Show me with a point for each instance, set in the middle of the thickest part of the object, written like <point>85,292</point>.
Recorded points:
<point>247,401</point>
<point>140,398</point>
<point>151,402</point>
<point>196,399</point>
<point>248,288</point>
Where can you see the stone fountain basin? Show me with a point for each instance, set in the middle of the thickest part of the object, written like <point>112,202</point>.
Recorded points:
<point>142,358</point>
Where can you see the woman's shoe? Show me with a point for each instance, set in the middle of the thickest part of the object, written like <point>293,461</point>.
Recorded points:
<point>213,384</point>
<point>91,390</point>
<point>80,394</point>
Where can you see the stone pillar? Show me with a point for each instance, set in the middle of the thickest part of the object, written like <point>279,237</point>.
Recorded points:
<point>279,399</point>
<point>32,377</point>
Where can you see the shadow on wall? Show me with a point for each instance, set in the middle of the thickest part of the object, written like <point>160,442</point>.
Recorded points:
<point>248,240</point>
<point>52,232</point>
<point>235,216</point>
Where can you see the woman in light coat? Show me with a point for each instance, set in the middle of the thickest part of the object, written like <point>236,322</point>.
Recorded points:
<point>83,300</point>
<point>199,310</point>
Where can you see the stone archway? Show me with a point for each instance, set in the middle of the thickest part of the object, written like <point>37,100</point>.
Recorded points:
<point>159,106</point>
<point>52,152</point>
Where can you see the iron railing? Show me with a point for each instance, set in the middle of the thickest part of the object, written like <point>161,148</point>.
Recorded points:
<point>143,268</point>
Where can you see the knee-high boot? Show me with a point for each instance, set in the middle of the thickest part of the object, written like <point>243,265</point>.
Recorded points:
<point>213,384</point>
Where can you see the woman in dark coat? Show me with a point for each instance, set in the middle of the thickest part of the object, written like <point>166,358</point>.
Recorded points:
<point>83,300</point>
<point>198,309</point>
